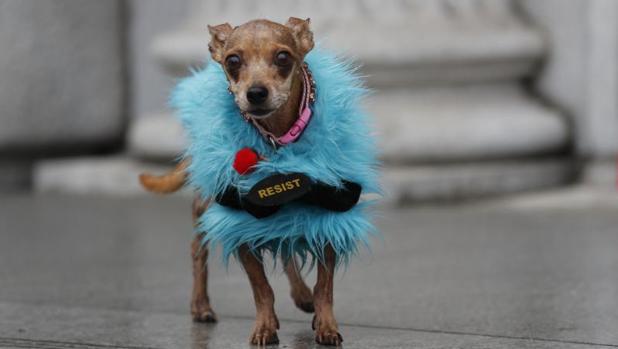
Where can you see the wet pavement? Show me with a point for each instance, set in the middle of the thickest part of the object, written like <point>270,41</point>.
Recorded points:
<point>115,273</point>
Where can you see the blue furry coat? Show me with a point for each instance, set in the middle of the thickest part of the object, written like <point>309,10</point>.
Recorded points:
<point>336,145</point>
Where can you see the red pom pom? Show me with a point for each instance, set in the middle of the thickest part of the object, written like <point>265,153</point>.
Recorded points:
<point>245,159</point>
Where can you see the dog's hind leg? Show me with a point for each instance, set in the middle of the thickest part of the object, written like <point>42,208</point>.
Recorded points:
<point>324,323</point>
<point>266,322</point>
<point>300,292</point>
<point>201,311</point>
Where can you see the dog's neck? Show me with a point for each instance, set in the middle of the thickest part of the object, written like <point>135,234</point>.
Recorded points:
<point>280,122</point>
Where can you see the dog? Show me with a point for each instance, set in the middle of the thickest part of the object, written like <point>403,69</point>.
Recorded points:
<point>263,64</point>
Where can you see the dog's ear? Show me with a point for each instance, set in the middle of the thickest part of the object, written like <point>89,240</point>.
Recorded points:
<point>219,34</point>
<point>302,33</point>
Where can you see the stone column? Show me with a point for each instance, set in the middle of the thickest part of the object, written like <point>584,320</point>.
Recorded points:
<point>62,81</point>
<point>454,118</point>
<point>582,75</point>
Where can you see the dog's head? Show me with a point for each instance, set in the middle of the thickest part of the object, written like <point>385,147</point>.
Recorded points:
<point>260,59</point>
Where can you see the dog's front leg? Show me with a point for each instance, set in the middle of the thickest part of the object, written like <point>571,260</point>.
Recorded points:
<point>324,323</point>
<point>266,322</point>
<point>201,311</point>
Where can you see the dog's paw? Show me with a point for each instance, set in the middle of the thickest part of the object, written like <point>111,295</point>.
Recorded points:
<point>326,332</point>
<point>265,330</point>
<point>264,334</point>
<point>207,316</point>
<point>201,312</point>
<point>328,337</point>
<point>303,298</point>
<point>307,307</point>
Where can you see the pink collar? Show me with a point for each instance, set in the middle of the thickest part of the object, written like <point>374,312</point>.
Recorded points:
<point>304,114</point>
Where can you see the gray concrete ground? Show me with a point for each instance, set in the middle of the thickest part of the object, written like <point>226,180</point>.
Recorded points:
<point>535,271</point>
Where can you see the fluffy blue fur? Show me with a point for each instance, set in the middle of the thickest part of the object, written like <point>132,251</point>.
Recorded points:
<point>337,144</point>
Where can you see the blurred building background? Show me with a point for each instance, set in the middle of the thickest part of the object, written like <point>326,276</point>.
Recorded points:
<point>473,98</point>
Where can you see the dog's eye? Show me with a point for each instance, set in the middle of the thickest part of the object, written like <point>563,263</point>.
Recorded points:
<point>283,59</point>
<point>232,62</point>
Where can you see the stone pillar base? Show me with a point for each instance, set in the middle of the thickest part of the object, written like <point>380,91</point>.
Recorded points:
<point>469,181</point>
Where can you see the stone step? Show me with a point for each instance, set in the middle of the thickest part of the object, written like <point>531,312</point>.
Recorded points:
<point>440,124</point>
<point>117,176</point>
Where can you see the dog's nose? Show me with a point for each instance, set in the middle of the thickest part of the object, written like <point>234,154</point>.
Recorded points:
<point>257,94</point>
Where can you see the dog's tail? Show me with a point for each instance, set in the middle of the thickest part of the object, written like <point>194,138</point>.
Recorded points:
<point>167,183</point>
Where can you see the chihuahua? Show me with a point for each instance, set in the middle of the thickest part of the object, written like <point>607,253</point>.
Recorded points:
<point>263,64</point>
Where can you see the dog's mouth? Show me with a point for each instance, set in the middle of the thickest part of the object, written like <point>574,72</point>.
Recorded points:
<point>260,112</point>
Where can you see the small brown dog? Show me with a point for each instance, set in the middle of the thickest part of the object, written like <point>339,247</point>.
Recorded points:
<point>269,89</point>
